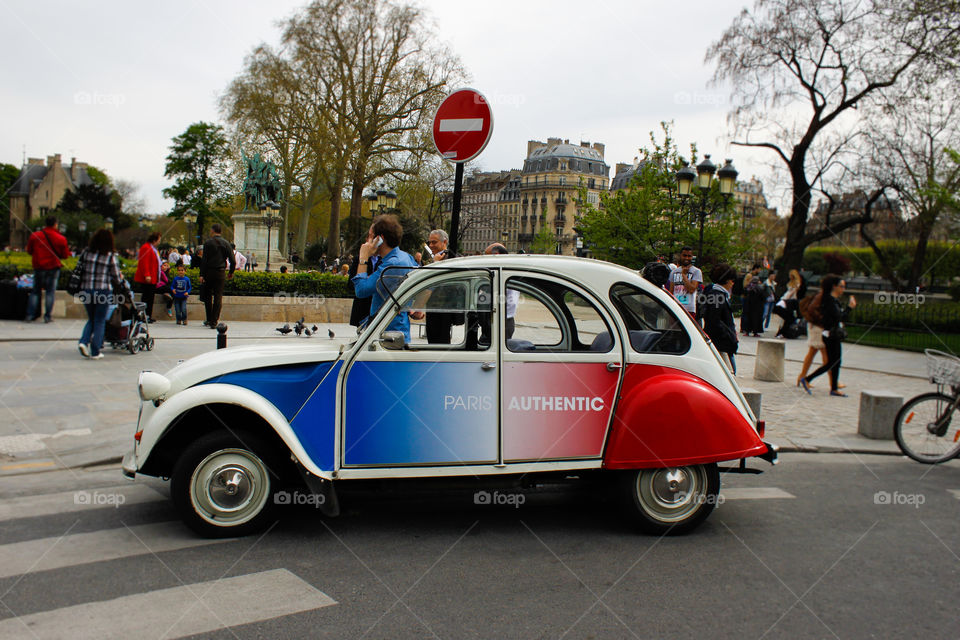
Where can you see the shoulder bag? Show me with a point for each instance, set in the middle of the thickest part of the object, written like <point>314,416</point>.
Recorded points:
<point>76,277</point>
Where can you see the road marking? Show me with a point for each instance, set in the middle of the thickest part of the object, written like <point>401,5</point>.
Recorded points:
<point>461,124</point>
<point>23,443</point>
<point>27,465</point>
<point>178,611</point>
<point>955,492</point>
<point>82,548</point>
<point>755,493</point>
<point>70,501</point>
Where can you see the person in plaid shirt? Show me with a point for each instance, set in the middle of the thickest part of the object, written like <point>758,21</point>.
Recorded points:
<point>101,278</point>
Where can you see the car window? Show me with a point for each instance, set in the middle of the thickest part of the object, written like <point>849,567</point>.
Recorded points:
<point>456,313</point>
<point>550,316</point>
<point>652,326</point>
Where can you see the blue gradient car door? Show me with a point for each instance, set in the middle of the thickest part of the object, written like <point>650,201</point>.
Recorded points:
<point>436,401</point>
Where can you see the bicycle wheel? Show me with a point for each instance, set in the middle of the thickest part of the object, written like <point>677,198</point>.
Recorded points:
<point>923,434</point>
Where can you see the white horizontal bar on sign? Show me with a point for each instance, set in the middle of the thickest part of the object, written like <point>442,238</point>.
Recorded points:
<point>461,124</point>
<point>44,554</point>
<point>176,612</point>
<point>755,493</point>
<point>81,500</point>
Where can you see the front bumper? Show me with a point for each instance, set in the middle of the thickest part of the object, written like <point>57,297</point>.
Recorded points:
<point>129,465</point>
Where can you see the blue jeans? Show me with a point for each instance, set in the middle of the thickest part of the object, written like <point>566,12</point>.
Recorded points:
<point>96,304</point>
<point>767,309</point>
<point>43,280</point>
<point>180,308</point>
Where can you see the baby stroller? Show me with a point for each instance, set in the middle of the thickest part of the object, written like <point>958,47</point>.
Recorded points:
<point>127,327</point>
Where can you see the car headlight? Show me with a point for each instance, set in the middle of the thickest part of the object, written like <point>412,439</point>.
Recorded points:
<point>152,386</point>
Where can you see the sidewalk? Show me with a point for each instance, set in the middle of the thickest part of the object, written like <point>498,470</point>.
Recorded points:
<point>62,411</point>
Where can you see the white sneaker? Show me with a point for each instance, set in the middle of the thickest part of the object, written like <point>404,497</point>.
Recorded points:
<point>99,356</point>
<point>84,349</point>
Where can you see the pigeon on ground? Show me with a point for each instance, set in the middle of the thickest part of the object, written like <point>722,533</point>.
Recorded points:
<point>307,332</point>
<point>314,328</point>
<point>285,329</point>
<point>298,328</point>
<point>331,333</point>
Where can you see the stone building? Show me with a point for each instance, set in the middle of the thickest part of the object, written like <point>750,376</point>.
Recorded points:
<point>38,190</point>
<point>481,222</point>
<point>549,187</point>
<point>509,212</point>
<point>888,221</point>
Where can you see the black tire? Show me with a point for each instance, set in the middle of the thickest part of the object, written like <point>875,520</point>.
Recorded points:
<point>670,501</point>
<point>223,484</point>
<point>133,346</point>
<point>915,428</point>
<point>150,344</point>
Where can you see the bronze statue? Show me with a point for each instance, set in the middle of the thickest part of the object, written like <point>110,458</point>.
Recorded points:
<point>262,182</point>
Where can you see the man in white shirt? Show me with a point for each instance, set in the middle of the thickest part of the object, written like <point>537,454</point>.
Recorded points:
<point>185,257</point>
<point>685,280</point>
<point>173,257</point>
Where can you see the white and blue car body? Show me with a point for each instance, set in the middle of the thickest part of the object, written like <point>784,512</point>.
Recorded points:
<point>574,367</point>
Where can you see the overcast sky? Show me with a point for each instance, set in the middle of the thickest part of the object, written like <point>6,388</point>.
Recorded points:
<point>111,83</point>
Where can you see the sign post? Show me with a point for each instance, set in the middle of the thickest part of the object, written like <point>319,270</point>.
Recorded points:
<point>461,129</point>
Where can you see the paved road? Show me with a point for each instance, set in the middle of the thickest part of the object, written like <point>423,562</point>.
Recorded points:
<point>821,546</point>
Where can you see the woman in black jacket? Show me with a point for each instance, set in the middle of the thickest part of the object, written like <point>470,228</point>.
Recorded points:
<point>833,315</point>
<point>718,323</point>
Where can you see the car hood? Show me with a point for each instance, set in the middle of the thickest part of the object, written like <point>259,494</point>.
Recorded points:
<point>233,359</point>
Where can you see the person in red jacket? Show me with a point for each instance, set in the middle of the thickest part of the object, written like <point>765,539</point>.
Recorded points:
<point>148,271</point>
<point>47,246</point>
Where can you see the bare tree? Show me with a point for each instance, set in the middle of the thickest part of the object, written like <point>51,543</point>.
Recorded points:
<point>801,68</point>
<point>909,138</point>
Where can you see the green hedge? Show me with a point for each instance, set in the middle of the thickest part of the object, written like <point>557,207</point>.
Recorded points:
<point>924,314</point>
<point>942,259</point>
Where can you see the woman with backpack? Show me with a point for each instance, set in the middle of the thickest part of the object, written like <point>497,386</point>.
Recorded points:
<point>832,315</point>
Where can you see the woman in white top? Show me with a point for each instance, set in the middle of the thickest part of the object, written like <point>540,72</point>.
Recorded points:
<point>787,304</point>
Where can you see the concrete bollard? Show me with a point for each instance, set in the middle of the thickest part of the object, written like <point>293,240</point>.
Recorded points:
<point>770,358</point>
<point>878,410</point>
<point>754,398</point>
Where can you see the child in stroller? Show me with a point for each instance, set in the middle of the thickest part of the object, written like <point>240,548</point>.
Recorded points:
<point>127,327</point>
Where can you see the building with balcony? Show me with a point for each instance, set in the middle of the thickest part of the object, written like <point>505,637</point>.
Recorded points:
<point>38,190</point>
<point>485,216</point>
<point>553,173</point>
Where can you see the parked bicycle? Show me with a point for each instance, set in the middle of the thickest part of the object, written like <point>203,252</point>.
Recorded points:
<point>924,427</point>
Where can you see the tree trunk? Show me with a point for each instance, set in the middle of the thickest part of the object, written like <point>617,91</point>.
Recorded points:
<point>333,233</point>
<point>307,208</point>
<point>920,254</point>
<point>356,234</point>
<point>797,224</point>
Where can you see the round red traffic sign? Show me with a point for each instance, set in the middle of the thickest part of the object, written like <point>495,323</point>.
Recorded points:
<point>462,125</point>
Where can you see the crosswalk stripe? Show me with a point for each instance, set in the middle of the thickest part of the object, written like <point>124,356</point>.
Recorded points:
<point>109,544</point>
<point>178,611</point>
<point>71,501</point>
<point>755,493</point>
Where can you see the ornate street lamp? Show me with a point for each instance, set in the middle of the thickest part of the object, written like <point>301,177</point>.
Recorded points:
<point>704,179</point>
<point>386,199</point>
<point>190,217</point>
<point>271,217</point>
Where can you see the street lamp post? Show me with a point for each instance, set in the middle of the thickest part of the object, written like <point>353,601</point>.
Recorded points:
<point>190,217</point>
<point>271,217</point>
<point>108,223</point>
<point>82,226</point>
<point>704,179</point>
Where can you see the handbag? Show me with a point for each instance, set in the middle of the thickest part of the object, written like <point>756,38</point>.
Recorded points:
<point>76,276</point>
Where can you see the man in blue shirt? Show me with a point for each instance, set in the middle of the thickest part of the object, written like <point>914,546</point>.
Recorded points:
<point>383,240</point>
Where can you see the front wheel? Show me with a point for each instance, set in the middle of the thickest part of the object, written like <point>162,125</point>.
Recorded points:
<point>671,500</point>
<point>222,485</point>
<point>925,429</point>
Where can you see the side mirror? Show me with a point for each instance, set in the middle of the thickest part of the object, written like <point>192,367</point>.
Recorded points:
<point>392,340</point>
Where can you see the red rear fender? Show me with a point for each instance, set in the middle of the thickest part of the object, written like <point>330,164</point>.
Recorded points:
<point>669,418</point>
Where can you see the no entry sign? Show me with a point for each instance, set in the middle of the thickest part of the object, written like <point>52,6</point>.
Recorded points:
<point>462,125</point>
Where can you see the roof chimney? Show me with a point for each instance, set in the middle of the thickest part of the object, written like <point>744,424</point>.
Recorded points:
<point>585,144</point>
<point>53,160</point>
<point>533,145</point>
<point>599,148</point>
<point>551,142</point>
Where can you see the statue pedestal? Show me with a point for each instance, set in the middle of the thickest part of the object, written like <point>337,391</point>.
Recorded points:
<point>250,236</point>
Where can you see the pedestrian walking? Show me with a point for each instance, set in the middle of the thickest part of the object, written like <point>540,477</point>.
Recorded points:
<point>148,272</point>
<point>751,320</point>
<point>717,314</point>
<point>46,247</point>
<point>101,280</point>
<point>833,315</point>
<point>770,297</point>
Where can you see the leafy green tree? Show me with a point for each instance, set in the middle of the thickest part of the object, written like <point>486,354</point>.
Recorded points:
<point>198,165</point>
<point>8,175</point>
<point>647,219</point>
<point>544,241</point>
<point>99,176</point>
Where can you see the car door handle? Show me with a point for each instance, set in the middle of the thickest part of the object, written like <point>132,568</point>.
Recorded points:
<point>613,366</point>
<point>487,366</point>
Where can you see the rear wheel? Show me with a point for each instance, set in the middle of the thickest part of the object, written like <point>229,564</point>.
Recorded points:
<point>672,500</point>
<point>927,430</point>
<point>223,484</point>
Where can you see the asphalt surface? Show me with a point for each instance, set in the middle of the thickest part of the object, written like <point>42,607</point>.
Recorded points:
<point>820,546</point>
